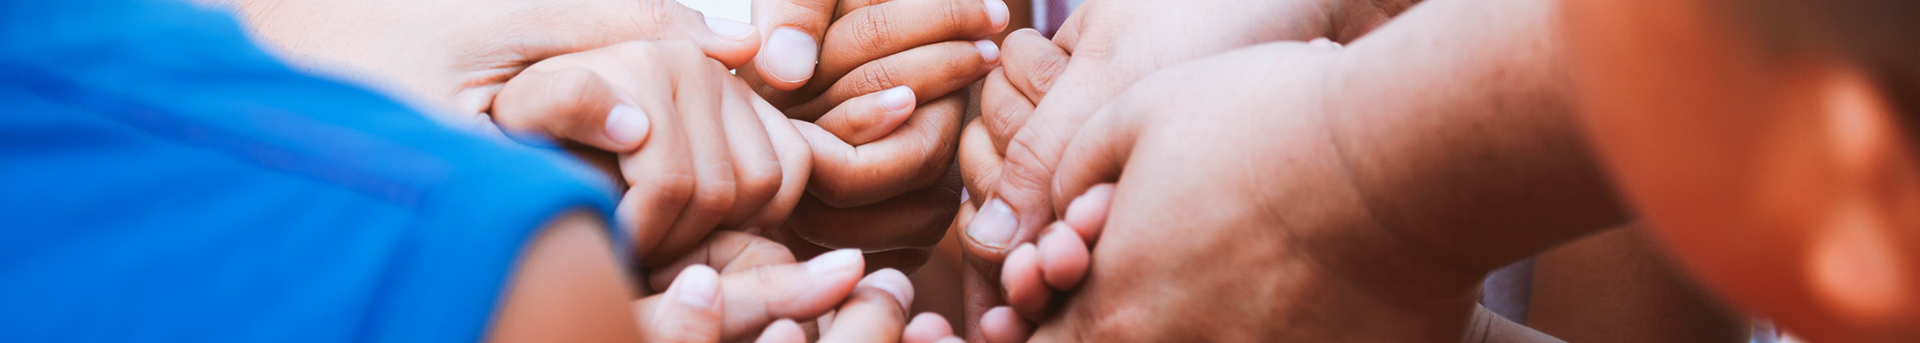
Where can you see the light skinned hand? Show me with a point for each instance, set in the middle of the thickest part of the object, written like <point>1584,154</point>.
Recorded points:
<point>1216,202</point>
<point>873,313</point>
<point>696,149</point>
<point>1113,44</point>
<point>1323,201</point>
<point>757,283</point>
<point>764,292</point>
<point>455,56</point>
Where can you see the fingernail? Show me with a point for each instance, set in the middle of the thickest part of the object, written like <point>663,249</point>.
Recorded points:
<point>997,14</point>
<point>897,99</point>
<point>626,125</point>
<point>893,282</point>
<point>993,225</point>
<point>833,262</point>
<point>988,51</point>
<point>1083,213</point>
<point>790,55</point>
<point>1324,43</point>
<point>697,286</point>
<point>729,28</point>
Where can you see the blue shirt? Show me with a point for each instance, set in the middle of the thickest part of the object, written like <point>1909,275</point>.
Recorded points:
<point>161,179</point>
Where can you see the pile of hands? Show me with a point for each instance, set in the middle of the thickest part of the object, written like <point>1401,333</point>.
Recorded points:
<point>1125,175</point>
<point>839,131</point>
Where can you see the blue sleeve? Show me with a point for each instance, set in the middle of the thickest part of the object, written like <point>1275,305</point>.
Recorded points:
<point>167,181</point>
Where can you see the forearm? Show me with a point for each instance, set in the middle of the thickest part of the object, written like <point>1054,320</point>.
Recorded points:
<point>1455,122</point>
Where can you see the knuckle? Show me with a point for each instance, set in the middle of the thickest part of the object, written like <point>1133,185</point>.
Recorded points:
<point>1025,172</point>
<point>875,77</point>
<point>672,186</point>
<point>770,247</point>
<point>712,65</point>
<point>714,194</point>
<point>631,50</point>
<point>1043,72</point>
<point>761,177</point>
<point>575,86</point>
<point>660,12</point>
<point>1003,122</point>
<point>956,13</point>
<point>874,33</point>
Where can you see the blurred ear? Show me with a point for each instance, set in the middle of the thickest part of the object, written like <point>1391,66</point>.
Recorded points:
<point>1861,258</point>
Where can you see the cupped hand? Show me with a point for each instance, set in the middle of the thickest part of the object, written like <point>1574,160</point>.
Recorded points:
<point>455,56</point>
<point>695,148</point>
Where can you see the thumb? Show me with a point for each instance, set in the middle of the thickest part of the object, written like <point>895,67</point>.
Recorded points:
<point>593,24</point>
<point>689,311</point>
<point>573,104</point>
<point>793,29</point>
<point>868,117</point>
<point>731,42</point>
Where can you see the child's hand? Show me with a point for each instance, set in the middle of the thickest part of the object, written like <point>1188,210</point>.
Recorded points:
<point>699,150</point>
<point>813,46</point>
<point>735,286</point>
<point>456,55</point>
<point>1034,272</point>
<point>887,190</point>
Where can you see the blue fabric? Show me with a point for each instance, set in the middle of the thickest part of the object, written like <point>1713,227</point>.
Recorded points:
<point>161,179</point>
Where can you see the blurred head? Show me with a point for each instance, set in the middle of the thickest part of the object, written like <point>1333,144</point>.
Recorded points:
<point>1771,143</point>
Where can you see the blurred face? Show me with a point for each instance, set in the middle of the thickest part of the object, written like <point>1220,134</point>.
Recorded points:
<point>1779,177</point>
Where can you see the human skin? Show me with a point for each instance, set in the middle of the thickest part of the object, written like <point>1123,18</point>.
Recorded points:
<point>568,287</point>
<point>457,58</point>
<point>1113,43</point>
<point>695,148</point>
<point>1771,158</point>
<point>1388,201</point>
<point>1619,286</point>
<point>891,195</point>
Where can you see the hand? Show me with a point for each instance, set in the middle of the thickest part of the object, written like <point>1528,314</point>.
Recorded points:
<point>457,55</point>
<point>1264,201</point>
<point>736,284</point>
<point>933,46</point>
<point>1112,43</point>
<point>698,149</point>
<point>885,191</point>
<point>758,290</point>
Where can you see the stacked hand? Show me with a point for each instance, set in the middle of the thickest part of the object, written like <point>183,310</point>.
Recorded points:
<point>1046,89</point>
<point>1261,209</point>
<point>888,191</point>
<point>737,286</point>
<point>456,57</point>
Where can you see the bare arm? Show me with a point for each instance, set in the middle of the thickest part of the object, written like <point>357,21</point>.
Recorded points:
<point>567,288</point>
<point>1457,126</point>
